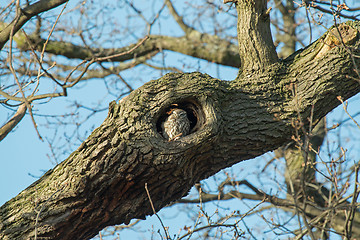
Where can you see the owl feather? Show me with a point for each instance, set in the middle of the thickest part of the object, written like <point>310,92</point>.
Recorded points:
<point>176,125</point>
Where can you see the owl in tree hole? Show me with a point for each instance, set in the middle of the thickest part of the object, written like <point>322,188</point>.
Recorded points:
<point>176,125</point>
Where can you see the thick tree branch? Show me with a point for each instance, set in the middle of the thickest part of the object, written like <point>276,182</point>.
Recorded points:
<point>256,48</point>
<point>204,46</point>
<point>103,182</point>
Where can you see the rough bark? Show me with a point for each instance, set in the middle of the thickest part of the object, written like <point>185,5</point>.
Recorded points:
<point>256,47</point>
<point>103,182</point>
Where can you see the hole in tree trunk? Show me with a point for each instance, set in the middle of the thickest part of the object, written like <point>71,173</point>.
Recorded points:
<point>193,110</point>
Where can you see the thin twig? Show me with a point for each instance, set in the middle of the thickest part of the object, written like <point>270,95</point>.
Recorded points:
<point>346,111</point>
<point>123,53</point>
<point>27,103</point>
<point>350,217</point>
<point>152,206</point>
<point>180,21</point>
<point>99,59</point>
<point>46,42</point>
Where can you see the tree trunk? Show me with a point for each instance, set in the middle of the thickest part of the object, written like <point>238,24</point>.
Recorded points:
<point>103,182</point>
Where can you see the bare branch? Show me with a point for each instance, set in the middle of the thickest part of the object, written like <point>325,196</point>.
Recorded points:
<point>25,15</point>
<point>196,45</point>
<point>180,21</point>
<point>11,124</point>
<point>324,10</point>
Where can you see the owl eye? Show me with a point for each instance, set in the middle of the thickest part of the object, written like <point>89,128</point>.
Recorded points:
<point>182,113</point>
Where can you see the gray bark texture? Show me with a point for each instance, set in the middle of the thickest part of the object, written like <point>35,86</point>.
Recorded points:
<point>103,182</point>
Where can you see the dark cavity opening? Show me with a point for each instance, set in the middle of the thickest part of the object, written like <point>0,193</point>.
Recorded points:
<point>194,112</point>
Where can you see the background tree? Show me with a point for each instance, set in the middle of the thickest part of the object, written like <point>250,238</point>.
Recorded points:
<point>303,204</point>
